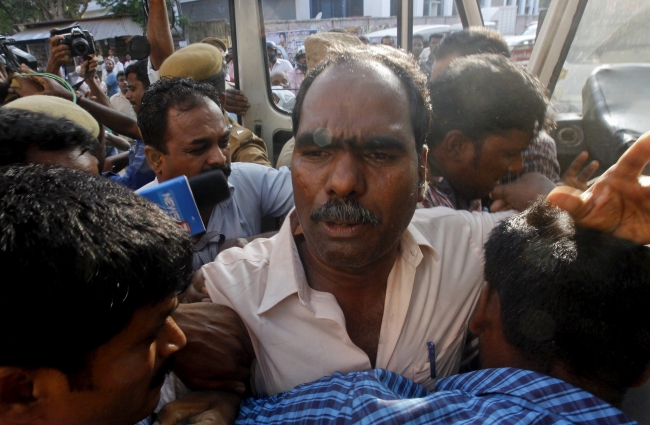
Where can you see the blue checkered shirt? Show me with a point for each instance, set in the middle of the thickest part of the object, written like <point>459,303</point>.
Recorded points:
<point>503,396</point>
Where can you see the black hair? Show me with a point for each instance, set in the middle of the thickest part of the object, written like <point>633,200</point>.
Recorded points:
<point>120,74</point>
<point>420,36</point>
<point>402,64</point>
<point>572,295</point>
<point>179,93</point>
<point>141,72</point>
<point>81,255</point>
<point>339,30</point>
<point>484,94</point>
<point>387,37</point>
<point>20,129</point>
<point>436,36</point>
<point>472,41</point>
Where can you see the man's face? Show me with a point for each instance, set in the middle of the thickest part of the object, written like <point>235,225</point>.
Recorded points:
<point>272,54</point>
<point>197,140</point>
<point>278,80</point>
<point>109,65</point>
<point>418,46</point>
<point>126,373</point>
<point>73,158</point>
<point>433,42</point>
<point>110,52</point>
<point>302,59</point>
<point>135,91</point>
<point>483,167</point>
<point>122,84</point>
<point>388,41</point>
<point>368,159</point>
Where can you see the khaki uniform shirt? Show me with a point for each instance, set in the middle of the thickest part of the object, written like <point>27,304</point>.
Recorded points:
<point>245,146</point>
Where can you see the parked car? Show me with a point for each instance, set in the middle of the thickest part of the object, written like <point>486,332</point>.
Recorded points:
<point>423,30</point>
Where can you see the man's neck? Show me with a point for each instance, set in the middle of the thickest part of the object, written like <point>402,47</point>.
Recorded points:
<point>360,293</point>
<point>326,278</point>
<point>462,202</point>
<point>603,392</point>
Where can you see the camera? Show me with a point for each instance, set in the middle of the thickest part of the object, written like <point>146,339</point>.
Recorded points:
<point>11,57</point>
<point>81,42</point>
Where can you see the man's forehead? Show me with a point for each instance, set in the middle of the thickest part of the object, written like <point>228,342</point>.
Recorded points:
<point>351,102</point>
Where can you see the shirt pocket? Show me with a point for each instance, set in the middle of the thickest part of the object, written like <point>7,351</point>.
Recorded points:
<point>421,374</point>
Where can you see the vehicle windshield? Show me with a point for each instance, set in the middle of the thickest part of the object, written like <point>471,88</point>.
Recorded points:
<point>530,30</point>
<point>610,32</point>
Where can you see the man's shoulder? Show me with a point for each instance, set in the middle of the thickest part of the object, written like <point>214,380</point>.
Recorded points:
<point>248,172</point>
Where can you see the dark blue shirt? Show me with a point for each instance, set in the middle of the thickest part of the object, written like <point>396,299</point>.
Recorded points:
<point>111,83</point>
<point>499,396</point>
<point>139,173</point>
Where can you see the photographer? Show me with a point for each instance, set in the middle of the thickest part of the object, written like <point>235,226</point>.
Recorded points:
<point>60,55</point>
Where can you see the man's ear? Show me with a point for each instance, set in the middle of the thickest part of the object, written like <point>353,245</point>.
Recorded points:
<point>456,146</point>
<point>155,158</point>
<point>480,320</point>
<point>17,401</point>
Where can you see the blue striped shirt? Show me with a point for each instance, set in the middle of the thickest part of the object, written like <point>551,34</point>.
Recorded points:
<point>504,396</point>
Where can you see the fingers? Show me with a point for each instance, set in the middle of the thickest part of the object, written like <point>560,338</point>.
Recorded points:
<point>569,199</point>
<point>500,205</point>
<point>26,70</point>
<point>587,172</point>
<point>576,165</point>
<point>631,164</point>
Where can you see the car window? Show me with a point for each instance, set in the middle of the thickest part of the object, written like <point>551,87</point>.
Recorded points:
<point>610,32</point>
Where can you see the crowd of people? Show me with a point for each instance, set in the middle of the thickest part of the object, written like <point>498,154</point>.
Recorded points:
<point>414,257</point>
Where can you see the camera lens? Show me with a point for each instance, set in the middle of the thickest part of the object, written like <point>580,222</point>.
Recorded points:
<point>80,47</point>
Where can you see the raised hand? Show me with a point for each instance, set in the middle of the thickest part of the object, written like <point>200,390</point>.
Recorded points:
<point>619,201</point>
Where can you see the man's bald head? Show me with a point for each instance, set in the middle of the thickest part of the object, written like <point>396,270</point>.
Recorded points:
<point>399,63</point>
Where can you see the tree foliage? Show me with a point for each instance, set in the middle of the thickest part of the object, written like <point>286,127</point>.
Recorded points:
<point>23,11</point>
<point>125,7</point>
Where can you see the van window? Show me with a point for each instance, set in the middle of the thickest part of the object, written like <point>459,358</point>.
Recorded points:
<point>610,32</point>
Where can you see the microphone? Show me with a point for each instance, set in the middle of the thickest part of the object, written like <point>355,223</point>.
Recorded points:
<point>183,199</point>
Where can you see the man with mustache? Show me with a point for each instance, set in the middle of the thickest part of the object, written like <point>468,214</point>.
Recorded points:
<point>356,278</point>
<point>193,137</point>
<point>88,335</point>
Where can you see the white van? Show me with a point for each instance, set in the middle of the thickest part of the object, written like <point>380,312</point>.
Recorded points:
<point>423,30</point>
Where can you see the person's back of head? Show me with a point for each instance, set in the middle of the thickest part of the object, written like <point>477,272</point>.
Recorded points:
<point>572,300</point>
<point>86,315</point>
<point>34,137</point>
<point>484,94</point>
<point>472,41</point>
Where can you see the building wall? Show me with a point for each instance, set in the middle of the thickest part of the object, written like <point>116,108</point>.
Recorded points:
<point>206,10</point>
<point>280,9</point>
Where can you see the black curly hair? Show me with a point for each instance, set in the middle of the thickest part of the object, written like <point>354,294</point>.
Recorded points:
<point>179,93</point>
<point>20,129</point>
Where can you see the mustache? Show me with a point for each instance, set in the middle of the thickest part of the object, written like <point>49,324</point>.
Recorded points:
<point>225,168</point>
<point>347,211</point>
<point>165,369</point>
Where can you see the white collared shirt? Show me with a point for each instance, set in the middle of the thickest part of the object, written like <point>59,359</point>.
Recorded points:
<point>299,334</point>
